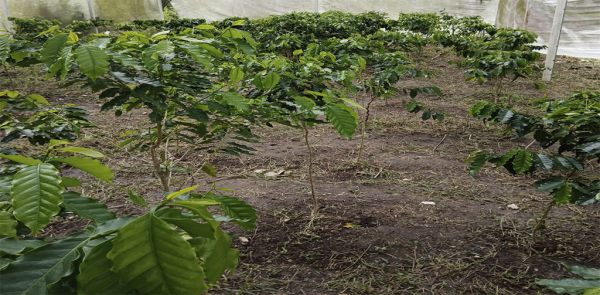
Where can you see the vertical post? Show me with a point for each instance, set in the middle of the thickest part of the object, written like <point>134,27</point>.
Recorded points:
<point>162,10</point>
<point>92,13</point>
<point>559,15</point>
<point>316,6</point>
<point>6,15</point>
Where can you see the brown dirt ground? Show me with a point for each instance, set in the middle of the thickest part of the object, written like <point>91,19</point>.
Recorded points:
<point>469,242</point>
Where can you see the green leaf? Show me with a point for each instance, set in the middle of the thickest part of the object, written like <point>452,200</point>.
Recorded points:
<point>271,80</point>
<point>198,53</point>
<point>543,161</point>
<point>549,184</point>
<point>8,225</point>
<point>216,254</point>
<point>570,286</point>
<point>176,194</point>
<point>21,159</point>
<point>42,267</point>
<point>587,273</point>
<point>343,121</point>
<point>186,222</point>
<point>92,61</point>
<point>199,207</point>
<point>36,195</point>
<point>477,163</point>
<point>153,258</point>
<point>236,75</point>
<point>38,98</point>
<point>205,27</point>
<point>148,57</point>
<point>506,157</point>
<point>595,291</point>
<point>4,262</point>
<point>212,50</point>
<point>95,276</point>
<point>12,246</point>
<point>209,169</point>
<point>56,142</point>
<point>236,100</point>
<point>244,215</point>
<point>91,166</point>
<point>522,161</point>
<point>70,182</point>
<point>238,22</point>
<point>53,48</point>
<point>87,207</point>
<point>83,151</point>
<point>4,48</point>
<point>164,48</point>
<point>563,195</point>
<point>137,198</point>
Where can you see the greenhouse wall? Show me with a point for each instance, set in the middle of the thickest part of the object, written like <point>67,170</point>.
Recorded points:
<point>580,35</point>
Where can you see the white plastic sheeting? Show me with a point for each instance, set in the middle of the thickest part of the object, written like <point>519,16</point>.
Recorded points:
<point>580,34</point>
<point>486,9</point>
<point>211,10</point>
<point>68,10</point>
<point>260,8</point>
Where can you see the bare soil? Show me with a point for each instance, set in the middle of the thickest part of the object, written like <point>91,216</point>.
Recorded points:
<point>373,234</point>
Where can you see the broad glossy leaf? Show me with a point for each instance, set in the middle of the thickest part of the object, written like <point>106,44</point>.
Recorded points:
<point>550,183</point>
<point>153,258</point>
<point>595,291</point>
<point>92,61</point>
<point>87,207</point>
<point>41,267</point>
<point>212,50</point>
<point>176,194</point>
<point>52,49</point>
<point>478,163</point>
<point>343,121</point>
<point>109,226</point>
<point>543,161</point>
<point>209,169</point>
<point>91,166</point>
<point>70,182</point>
<point>21,159</point>
<point>216,254</point>
<point>164,48</point>
<point>563,195</point>
<point>271,80</point>
<point>8,225</point>
<point>522,161</point>
<point>4,263</point>
<point>83,151</point>
<point>244,215</point>
<point>506,157</point>
<point>200,208</point>
<point>587,273</point>
<point>236,75</point>
<point>12,246</point>
<point>186,222</point>
<point>575,163</point>
<point>95,276</point>
<point>570,286</point>
<point>148,57</point>
<point>236,100</point>
<point>36,195</point>
<point>137,198</point>
<point>199,54</point>
<point>590,148</point>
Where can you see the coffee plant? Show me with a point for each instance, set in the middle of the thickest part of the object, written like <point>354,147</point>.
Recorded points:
<point>568,133</point>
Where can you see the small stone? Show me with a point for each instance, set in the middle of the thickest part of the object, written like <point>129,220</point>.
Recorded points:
<point>513,207</point>
<point>274,173</point>
<point>244,240</point>
<point>427,203</point>
<point>260,171</point>
<point>406,179</point>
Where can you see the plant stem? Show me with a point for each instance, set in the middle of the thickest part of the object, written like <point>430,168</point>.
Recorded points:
<point>542,221</point>
<point>155,160</point>
<point>315,209</point>
<point>364,129</point>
